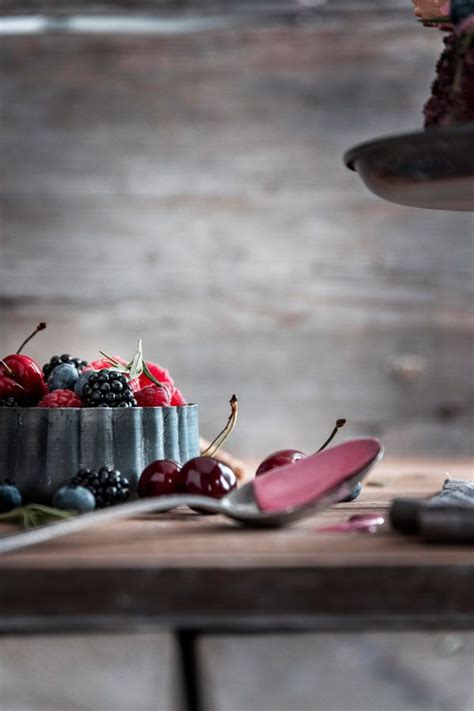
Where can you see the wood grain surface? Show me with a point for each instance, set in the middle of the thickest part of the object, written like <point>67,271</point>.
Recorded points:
<point>185,569</point>
<point>190,190</point>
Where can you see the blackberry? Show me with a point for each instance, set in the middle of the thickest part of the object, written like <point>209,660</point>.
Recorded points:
<point>9,402</point>
<point>65,358</point>
<point>108,485</point>
<point>108,388</point>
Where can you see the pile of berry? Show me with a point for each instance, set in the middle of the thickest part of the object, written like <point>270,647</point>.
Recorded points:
<point>93,488</point>
<point>90,489</point>
<point>65,381</point>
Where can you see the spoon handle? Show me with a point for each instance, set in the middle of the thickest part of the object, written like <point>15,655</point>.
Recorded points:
<point>46,533</point>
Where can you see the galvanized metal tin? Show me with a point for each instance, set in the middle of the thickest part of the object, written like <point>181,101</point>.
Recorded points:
<point>42,448</point>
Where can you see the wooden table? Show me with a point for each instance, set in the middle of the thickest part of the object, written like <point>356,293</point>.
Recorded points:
<point>201,575</point>
<point>192,571</point>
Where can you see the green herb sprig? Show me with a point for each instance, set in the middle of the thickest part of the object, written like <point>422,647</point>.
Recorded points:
<point>134,368</point>
<point>34,515</point>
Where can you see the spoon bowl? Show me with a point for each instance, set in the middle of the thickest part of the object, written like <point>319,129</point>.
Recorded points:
<point>275,499</point>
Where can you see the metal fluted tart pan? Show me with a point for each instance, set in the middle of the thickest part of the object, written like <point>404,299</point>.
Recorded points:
<point>432,169</point>
<point>42,448</point>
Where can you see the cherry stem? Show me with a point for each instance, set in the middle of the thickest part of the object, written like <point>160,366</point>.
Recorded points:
<point>40,327</point>
<point>339,423</point>
<point>217,443</point>
<point>7,367</point>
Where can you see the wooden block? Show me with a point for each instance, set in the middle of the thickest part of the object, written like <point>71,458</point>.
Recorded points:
<point>338,672</point>
<point>91,672</point>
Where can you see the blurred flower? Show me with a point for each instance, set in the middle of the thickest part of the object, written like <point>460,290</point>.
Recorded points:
<point>431,9</point>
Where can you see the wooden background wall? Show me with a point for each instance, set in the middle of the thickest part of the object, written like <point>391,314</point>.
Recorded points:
<point>190,190</point>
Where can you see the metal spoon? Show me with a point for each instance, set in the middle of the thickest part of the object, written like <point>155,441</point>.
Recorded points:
<point>275,499</point>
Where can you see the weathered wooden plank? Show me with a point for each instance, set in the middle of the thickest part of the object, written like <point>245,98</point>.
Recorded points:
<point>191,191</point>
<point>182,569</point>
<point>407,671</point>
<point>89,672</point>
<point>181,537</point>
<point>212,598</point>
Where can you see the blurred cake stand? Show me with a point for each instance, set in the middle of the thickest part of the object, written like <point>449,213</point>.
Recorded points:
<point>431,169</point>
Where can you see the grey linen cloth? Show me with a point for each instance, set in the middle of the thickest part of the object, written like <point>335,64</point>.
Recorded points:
<point>445,517</point>
<point>455,492</point>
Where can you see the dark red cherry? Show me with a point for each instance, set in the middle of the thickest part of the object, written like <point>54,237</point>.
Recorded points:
<point>279,459</point>
<point>207,477</point>
<point>290,456</point>
<point>160,478</point>
<point>27,373</point>
<point>21,377</point>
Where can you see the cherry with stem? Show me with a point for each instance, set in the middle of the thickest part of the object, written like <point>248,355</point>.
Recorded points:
<point>290,456</point>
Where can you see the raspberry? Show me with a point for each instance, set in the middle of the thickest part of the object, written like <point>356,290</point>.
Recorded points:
<point>61,398</point>
<point>158,372</point>
<point>161,374</point>
<point>104,363</point>
<point>153,396</point>
<point>134,385</point>
<point>177,398</point>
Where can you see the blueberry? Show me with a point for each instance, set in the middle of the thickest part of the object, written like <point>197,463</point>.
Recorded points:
<point>460,10</point>
<point>354,493</point>
<point>82,381</point>
<point>63,376</point>
<point>10,497</point>
<point>74,497</point>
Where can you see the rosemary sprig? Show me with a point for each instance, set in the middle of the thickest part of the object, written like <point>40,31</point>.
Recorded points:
<point>135,367</point>
<point>34,515</point>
